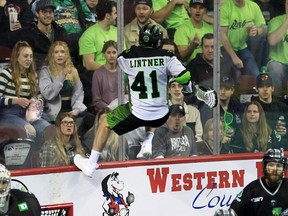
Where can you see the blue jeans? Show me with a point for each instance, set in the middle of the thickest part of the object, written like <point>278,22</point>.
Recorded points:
<point>15,116</point>
<point>250,66</point>
<point>279,73</point>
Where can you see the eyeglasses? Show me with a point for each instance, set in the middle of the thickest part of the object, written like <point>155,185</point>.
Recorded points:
<point>68,123</point>
<point>228,119</point>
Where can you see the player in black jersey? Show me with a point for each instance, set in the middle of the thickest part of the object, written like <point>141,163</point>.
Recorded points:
<point>268,195</point>
<point>14,202</point>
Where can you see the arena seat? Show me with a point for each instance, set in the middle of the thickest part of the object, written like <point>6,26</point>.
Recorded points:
<point>5,53</point>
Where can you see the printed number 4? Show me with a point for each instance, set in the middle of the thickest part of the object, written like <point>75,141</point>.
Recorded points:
<point>140,86</point>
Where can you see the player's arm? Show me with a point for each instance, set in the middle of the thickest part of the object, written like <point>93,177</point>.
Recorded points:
<point>240,205</point>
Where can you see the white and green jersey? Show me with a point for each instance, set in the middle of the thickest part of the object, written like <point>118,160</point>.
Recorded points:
<point>148,70</point>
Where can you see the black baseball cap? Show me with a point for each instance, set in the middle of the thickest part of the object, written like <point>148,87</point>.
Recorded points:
<point>43,4</point>
<point>201,2</point>
<point>177,109</point>
<point>227,81</point>
<point>145,2</point>
<point>263,79</point>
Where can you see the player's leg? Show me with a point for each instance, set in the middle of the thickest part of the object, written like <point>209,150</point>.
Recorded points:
<point>146,146</point>
<point>88,165</point>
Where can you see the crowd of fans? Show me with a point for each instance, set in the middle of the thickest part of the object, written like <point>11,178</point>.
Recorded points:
<point>64,57</point>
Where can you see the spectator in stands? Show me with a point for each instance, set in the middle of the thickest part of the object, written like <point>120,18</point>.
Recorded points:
<point>278,41</point>
<point>40,35</point>
<point>15,201</point>
<point>72,15</point>
<point>60,150</point>
<point>92,7</point>
<point>254,133</point>
<point>201,69</point>
<point>60,84</point>
<point>275,109</point>
<point>169,44</point>
<point>229,102</point>
<point>192,116</point>
<point>203,62</point>
<point>170,14</point>
<point>19,88</point>
<point>14,9</point>
<point>188,35</point>
<point>143,10</point>
<point>240,19</point>
<point>92,40</point>
<point>105,79</point>
<point>174,139</point>
<point>207,146</point>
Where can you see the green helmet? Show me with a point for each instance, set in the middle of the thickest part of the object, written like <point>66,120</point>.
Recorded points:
<point>150,36</point>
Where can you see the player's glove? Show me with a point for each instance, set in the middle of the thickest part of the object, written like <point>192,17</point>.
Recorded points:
<point>208,96</point>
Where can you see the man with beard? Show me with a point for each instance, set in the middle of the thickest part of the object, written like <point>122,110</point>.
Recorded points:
<point>143,11</point>
<point>267,195</point>
<point>174,139</point>
<point>40,35</point>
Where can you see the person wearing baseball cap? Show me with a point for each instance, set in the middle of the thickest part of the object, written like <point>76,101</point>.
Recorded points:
<point>229,103</point>
<point>273,107</point>
<point>143,10</point>
<point>192,116</point>
<point>188,35</point>
<point>174,139</point>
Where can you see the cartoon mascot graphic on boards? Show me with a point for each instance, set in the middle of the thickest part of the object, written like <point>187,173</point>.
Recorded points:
<point>114,204</point>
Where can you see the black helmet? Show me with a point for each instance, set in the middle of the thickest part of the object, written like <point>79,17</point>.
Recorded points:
<point>150,36</point>
<point>274,155</point>
<point>225,212</point>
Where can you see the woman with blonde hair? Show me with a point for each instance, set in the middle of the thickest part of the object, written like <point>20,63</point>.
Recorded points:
<point>60,84</point>
<point>60,150</point>
<point>18,89</point>
<point>254,134</point>
<point>208,145</point>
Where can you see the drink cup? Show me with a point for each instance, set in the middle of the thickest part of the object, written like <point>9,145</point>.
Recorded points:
<point>13,17</point>
<point>249,27</point>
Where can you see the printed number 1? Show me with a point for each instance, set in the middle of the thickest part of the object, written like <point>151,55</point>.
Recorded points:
<point>140,86</point>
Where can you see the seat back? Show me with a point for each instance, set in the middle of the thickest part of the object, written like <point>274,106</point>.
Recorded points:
<point>16,153</point>
<point>5,53</point>
<point>11,133</point>
<point>49,132</point>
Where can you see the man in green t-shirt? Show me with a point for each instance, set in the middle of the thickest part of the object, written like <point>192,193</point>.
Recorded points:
<point>92,40</point>
<point>188,35</point>
<point>278,52</point>
<point>171,14</point>
<point>240,19</point>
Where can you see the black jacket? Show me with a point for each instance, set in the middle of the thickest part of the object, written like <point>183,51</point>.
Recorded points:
<point>23,203</point>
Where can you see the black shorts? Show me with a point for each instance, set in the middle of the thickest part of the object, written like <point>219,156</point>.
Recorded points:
<point>121,120</point>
